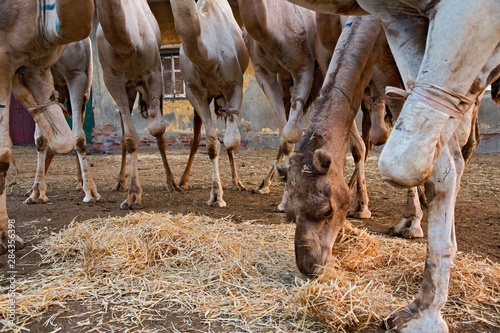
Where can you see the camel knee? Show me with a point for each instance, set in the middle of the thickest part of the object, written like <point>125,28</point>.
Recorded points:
<point>81,145</point>
<point>130,143</point>
<point>213,147</point>
<point>40,143</point>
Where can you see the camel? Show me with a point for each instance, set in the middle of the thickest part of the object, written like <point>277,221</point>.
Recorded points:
<point>288,59</point>
<point>72,80</point>
<point>129,41</point>
<point>34,34</point>
<point>213,58</point>
<point>445,78</point>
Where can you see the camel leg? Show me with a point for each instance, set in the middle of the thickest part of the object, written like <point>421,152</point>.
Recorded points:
<point>415,141</point>
<point>170,181</point>
<point>38,192</point>
<point>237,184</point>
<point>123,97</point>
<point>77,89</point>
<point>424,314</point>
<point>120,180</point>
<point>199,101</point>
<point>195,143</point>
<point>303,80</point>
<point>284,198</point>
<point>409,226</point>
<point>271,87</point>
<point>79,178</point>
<point>358,150</point>
<point>5,158</point>
<point>232,139</point>
<point>264,187</point>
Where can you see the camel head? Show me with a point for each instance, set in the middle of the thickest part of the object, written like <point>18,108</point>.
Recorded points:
<point>318,203</point>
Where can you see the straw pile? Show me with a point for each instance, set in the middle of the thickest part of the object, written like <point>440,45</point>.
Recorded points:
<point>241,275</point>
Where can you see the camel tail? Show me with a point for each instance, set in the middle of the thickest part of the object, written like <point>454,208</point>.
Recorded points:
<point>318,79</point>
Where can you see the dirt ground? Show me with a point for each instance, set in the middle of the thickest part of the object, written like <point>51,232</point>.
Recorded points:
<point>477,209</point>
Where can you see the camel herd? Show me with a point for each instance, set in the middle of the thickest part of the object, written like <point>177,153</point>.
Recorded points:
<point>427,63</point>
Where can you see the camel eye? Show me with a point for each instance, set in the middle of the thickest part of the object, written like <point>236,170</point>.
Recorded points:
<point>329,212</point>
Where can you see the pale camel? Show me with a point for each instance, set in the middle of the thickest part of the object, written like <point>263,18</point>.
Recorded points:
<point>72,80</point>
<point>34,34</point>
<point>288,59</point>
<point>445,77</point>
<point>213,59</point>
<point>129,41</point>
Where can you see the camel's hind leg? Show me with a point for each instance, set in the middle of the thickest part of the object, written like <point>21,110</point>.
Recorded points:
<point>170,181</point>
<point>237,184</point>
<point>120,179</point>
<point>195,143</point>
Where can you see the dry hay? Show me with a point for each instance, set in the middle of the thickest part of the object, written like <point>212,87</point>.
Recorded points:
<point>242,275</point>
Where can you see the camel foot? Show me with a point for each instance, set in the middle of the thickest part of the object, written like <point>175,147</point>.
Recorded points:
<point>363,214</point>
<point>4,243</point>
<point>261,190</point>
<point>132,203</point>
<point>407,228</point>
<point>238,187</point>
<point>408,233</point>
<point>277,209</point>
<point>412,320</point>
<point>216,203</point>
<point>33,200</point>
<point>120,186</point>
<point>172,186</point>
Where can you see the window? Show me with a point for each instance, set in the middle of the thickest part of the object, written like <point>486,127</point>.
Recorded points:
<point>173,84</point>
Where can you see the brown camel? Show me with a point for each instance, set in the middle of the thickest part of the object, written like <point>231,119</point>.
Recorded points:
<point>213,59</point>
<point>445,78</point>
<point>72,80</point>
<point>288,59</point>
<point>129,40</point>
<point>34,34</point>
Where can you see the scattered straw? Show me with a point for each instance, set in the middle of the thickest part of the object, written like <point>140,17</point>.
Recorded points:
<point>242,275</point>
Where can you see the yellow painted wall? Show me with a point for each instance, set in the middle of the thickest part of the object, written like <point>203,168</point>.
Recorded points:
<point>163,13</point>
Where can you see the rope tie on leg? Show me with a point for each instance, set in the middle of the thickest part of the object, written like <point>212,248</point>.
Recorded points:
<point>54,100</point>
<point>297,99</point>
<point>438,98</point>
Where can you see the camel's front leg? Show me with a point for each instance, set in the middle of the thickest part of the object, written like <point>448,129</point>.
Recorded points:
<point>440,94</point>
<point>77,89</point>
<point>409,226</point>
<point>424,314</point>
<point>232,138</point>
<point>9,238</point>
<point>303,81</point>
<point>358,150</point>
<point>38,192</point>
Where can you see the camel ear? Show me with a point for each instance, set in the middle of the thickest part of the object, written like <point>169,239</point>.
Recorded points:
<point>281,171</point>
<point>322,160</point>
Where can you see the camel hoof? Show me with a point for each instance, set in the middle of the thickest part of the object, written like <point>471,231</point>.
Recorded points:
<point>393,232</point>
<point>278,210</point>
<point>412,320</point>
<point>124,206</point>
<point>412,233</point>
<point>218,204</point>
<point>137,205</point>
<point>259,190</point>
<point>4,243</point>
<point>362,215</point>
<point>100,199</point>
<point>29,201</point>
<point>239,188</point>
<point>42,200</point>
